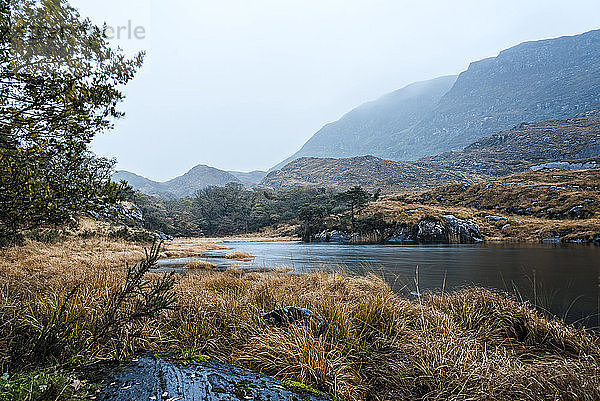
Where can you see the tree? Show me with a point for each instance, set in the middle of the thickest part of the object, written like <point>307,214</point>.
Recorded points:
<point>354,199</point>
<point>60,84</point>
<point>311,217</point>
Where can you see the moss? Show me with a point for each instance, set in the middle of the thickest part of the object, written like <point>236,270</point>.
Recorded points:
<point>302,388</point>
<point>43,385</point>
<point>190,355</point>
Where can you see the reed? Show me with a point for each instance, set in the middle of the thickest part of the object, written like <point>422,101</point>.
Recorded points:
<point>473,344</point>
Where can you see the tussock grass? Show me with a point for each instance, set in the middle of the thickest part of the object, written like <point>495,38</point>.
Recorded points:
<point>473,344</point>
<point>239,255</point>
<point>200,264</point>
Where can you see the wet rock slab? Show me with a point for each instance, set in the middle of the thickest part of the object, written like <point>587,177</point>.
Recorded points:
<point>161,379</point>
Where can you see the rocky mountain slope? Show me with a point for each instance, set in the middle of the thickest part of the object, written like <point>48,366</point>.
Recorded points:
<point>570,143</point>
<point>369,172</point>
<point>533,81</point>
<point>187,184</point>
<point>366,130</point>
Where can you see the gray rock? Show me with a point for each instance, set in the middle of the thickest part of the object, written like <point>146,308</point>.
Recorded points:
<point>288,315</point>
<point>161,379</point>
<point>462,231</point>
<point>495,218</point>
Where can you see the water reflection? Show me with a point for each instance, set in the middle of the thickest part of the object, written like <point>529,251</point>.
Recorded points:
<point>564,280</point>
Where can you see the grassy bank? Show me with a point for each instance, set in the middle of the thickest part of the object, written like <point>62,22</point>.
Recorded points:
<point>471,344</point>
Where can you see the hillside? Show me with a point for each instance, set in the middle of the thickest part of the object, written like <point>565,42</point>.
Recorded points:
<point>541,205</point>
<point>249,179</point>
<point>187,184</point>
<point>570,143</point>
<point>366,130</point>
<point>534,81</point>
<point>369,172</point>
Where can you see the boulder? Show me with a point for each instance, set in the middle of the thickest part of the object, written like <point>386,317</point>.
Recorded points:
<point>431,231</point>
<point>288,315</point>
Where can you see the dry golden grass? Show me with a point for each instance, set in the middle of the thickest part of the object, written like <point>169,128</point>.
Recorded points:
<point>519,229</point>
<point>546,195</point>
<point>470,345</point>
<point>200,264</point>
<point>239,255</point>
<point>187,247</point>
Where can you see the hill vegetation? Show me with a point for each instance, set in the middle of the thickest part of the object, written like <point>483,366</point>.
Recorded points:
<point>570,143</point>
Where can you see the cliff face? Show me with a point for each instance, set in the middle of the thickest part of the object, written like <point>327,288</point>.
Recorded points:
<point>367,129</point>
<point>533,81</point>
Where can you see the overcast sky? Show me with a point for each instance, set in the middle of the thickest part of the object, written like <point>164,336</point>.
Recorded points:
<point>240,85</point>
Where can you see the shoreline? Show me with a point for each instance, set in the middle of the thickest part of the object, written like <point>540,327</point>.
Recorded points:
<point>376,341</point>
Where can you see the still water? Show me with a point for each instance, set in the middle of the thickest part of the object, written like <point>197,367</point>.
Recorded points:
<point>563,280</point>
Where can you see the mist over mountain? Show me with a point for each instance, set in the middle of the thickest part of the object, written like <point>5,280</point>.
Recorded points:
<point>533,81</point>
<point>367,129</point>
<point>250,178</point>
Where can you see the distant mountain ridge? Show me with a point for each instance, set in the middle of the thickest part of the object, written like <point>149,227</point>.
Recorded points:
<point>533,81</point>
<point>199,177</point>
<point>565,144</point>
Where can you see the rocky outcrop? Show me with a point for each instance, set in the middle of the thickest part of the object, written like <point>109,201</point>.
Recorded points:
<point>161,379</point>
<point>533,81</point>
<point>432,231</point>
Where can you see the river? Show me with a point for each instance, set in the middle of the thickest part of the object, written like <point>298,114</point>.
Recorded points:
<point>563,280</point>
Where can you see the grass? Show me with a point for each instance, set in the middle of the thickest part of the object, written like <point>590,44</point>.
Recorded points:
<point>472,344</point>
<point>239,255</point>
<point>200,264</point>
<point>533,205</point>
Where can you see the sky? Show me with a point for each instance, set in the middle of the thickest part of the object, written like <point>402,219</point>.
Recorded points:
<point>241,85</point>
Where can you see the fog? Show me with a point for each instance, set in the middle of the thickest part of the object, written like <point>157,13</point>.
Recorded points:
<point>242,85</point>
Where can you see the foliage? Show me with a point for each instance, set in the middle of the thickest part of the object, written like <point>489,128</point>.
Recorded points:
<point>229,210</point>
<point>311,218</point>
<point>41,386</point>
<point>355,199</point>
<point>146,297</point>
<point>60,86</point>
<point>56,331</point>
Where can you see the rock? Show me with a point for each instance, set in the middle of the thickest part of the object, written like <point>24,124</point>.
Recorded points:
<point>333,236</point>
<point>462,231</point>
<point>576,212</point>
<point>552,240</point>
<point>150,378</point>
<point>431,231</point>
<point>162,236</point>
<point>284,317</point>
<point>495,218</point>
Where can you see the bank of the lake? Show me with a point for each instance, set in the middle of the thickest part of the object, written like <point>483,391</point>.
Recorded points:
<point>378,345</point>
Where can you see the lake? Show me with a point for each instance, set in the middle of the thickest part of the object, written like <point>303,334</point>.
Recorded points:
<point>564,280</point>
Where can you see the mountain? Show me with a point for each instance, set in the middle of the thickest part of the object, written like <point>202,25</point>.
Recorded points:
<point>367,128</point>
<point>573,142</point>
<point>199,177</point>
<point>533,81</point>
<point>370,172</point>
<point>562,144</point>
<point>251,178</point>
